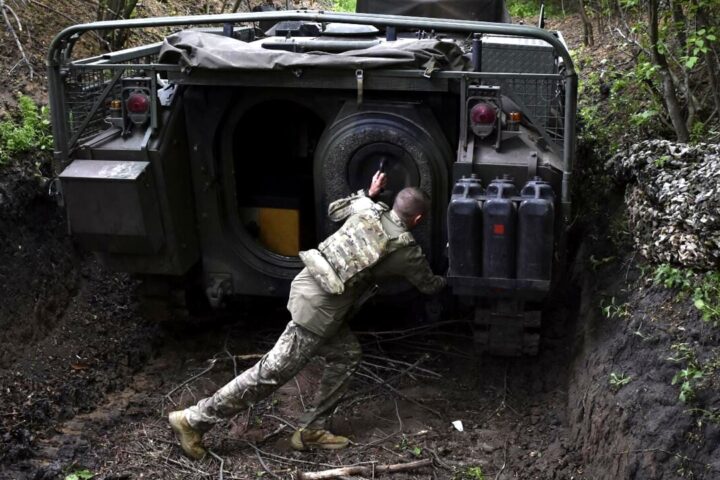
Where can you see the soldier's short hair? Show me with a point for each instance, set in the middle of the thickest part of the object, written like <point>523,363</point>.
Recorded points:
<point>410,202</point>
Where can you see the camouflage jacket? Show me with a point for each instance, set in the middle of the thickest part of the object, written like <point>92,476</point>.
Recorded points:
<point>321,312</point>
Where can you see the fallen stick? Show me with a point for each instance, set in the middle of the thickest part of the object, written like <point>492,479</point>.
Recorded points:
<point>363,470</point>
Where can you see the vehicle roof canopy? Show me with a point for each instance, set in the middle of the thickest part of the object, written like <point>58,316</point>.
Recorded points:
<point>196,49</point>
<point>478,10</point>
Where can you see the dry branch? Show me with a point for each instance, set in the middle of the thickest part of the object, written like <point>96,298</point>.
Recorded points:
<point>4,9</point>
<point>364,470</point>
<point>191,379</point>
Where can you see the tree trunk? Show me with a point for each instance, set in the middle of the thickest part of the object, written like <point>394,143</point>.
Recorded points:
<point>669,96</point>
<point>588,38</point>
<point>710,61</point>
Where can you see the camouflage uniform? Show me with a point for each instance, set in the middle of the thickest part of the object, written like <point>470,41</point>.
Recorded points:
<point>318,327</point>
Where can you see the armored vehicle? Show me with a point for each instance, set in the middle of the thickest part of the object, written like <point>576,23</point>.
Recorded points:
<point>211,156</point>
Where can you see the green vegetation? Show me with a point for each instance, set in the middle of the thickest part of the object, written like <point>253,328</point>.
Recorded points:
<point>523,8</point>
<point>531,8</point>
<point>619,380</point>
<point>29,132</point>
<point>405,446</point>
<point>689,377</point>
<point>616,105</point>
<point>703,288</point>
<point>673,84</point>
<point>470,473</point>
<point>614,310</point>
<point>344,5</point>
<point>80,475</point>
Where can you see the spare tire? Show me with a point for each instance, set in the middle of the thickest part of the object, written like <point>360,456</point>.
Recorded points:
<point>415,153</point>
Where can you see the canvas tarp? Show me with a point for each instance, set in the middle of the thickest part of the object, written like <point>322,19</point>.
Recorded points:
<point>478,10</point>
<point>196,49</point>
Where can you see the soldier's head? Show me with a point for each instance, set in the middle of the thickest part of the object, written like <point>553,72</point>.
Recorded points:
<point>411,205</point>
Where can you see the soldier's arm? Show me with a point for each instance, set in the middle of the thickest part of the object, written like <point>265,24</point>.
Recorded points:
<point>410,262</point>
<point>341,209</point>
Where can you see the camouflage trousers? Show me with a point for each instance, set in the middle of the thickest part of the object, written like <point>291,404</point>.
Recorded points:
<point>292,351</point>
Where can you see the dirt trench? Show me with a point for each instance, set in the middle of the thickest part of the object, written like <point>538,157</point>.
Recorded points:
<point>86,380</point>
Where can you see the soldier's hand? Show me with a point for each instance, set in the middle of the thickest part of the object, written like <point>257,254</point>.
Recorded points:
<point>379,181</point>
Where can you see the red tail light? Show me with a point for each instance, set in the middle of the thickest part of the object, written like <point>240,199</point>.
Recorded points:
<point>483,113</point>
<point>483,119</point>
<point>138,103</point>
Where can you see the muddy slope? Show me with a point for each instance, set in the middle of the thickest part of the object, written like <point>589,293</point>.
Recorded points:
<point>641,429</point>
<point>67,334</point>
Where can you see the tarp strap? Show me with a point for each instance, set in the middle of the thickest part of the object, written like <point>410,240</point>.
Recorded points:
<point>359,78</point>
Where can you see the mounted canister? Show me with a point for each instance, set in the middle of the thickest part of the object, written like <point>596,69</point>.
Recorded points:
<point>499,220</point>
<point>536,219</point>
<point>465,228</point>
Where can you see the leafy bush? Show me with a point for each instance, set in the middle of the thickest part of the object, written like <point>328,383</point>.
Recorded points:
<point>615,106</point>
<point>531,8</point>
<point>30,131</point>
<point>344,5</point>
<point>523,8</point>
<point>674,49</point>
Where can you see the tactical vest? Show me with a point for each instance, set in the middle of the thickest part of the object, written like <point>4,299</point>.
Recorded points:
<point>359,244</point>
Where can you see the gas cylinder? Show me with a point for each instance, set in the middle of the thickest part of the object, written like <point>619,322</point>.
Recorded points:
<point>465,227</point>
<point>536,218</point>
<point>499,219</point>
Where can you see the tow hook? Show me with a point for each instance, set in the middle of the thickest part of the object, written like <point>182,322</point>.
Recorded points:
<point>220,286</point>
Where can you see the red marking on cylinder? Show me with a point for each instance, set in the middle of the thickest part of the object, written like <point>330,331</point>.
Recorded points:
<point>499,229</point>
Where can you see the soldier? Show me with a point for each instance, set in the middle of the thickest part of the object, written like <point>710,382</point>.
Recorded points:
<point>373,243</point>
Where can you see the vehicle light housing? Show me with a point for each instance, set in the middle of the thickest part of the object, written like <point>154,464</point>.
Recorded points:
<point>137,106</point>
<point>138,103</point>
<point>483,119</point>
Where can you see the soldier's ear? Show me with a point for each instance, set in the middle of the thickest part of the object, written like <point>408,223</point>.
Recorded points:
<point>417,219</point>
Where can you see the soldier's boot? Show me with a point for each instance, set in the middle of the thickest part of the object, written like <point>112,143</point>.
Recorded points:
<point>308,438</point>
<point>190,439</point>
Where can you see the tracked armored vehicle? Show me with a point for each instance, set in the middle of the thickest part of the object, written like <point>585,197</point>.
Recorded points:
<point>211,157</point>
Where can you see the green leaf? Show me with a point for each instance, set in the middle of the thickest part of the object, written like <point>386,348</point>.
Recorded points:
<point>682,396</point>
<point>710,37</point>
<point>691,61</point>
<point>699,303</point>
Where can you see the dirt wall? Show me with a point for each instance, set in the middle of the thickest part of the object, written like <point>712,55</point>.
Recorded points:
<point>640,430</point>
